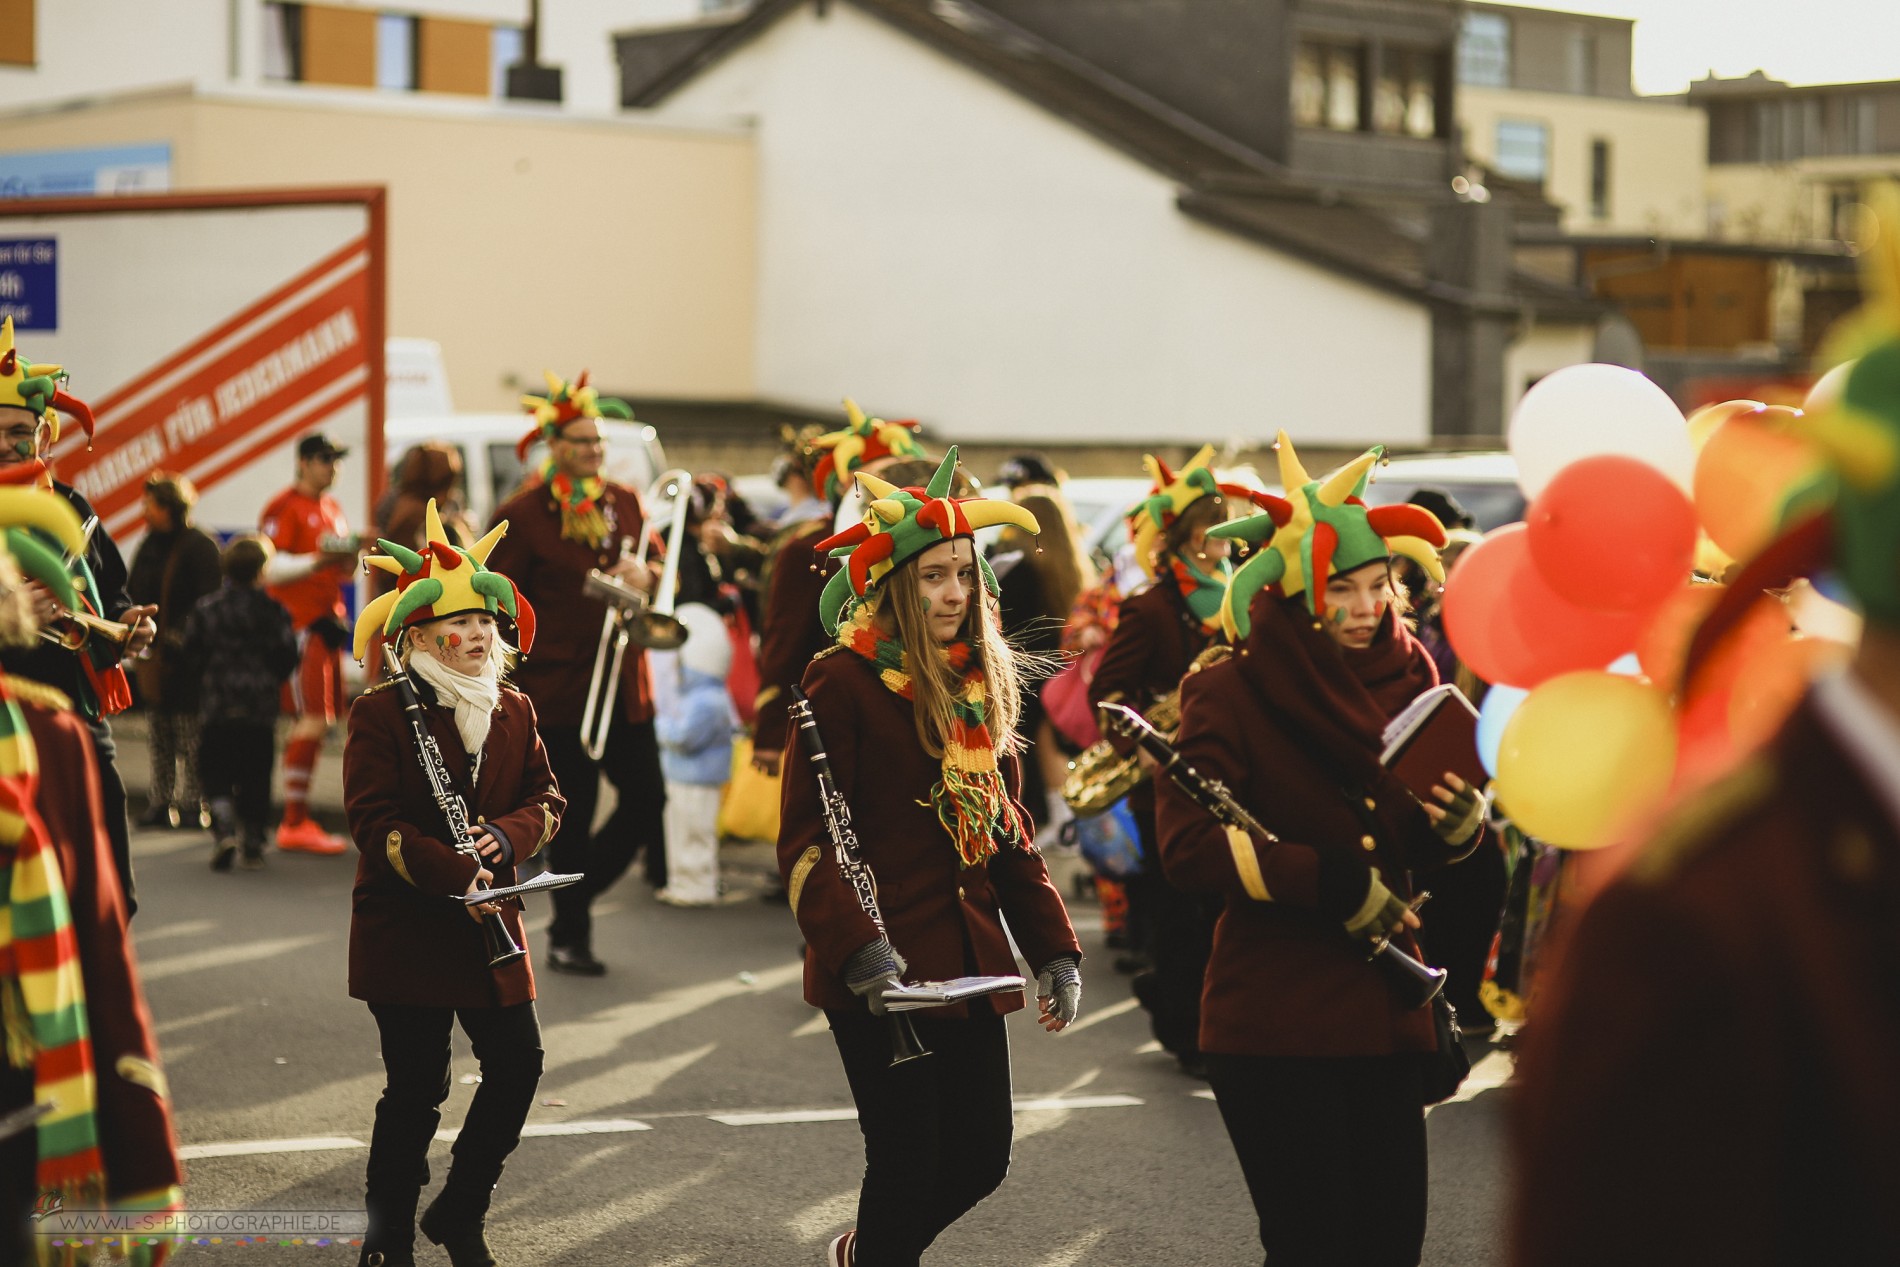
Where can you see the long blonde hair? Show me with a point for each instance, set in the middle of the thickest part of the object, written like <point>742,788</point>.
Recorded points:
<point>935,685</point>
<point>1058,557</point>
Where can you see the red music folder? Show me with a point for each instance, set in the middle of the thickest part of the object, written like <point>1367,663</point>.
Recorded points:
<point>1437,732</point>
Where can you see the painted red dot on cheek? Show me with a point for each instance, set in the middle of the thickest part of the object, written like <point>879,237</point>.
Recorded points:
<point>455,640</point>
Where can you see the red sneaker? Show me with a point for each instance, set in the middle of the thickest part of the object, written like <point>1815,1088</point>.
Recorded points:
<point>308,837</point>
<point>843,1251</point>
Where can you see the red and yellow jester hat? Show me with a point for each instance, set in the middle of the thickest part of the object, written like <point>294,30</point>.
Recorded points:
<point>1173,493</point>
<point>1320,529</point>
<point>900,524</point>
<point>37,388</point>
<point>863,441</point>
<point>563,404</point>
<point>442,580</point>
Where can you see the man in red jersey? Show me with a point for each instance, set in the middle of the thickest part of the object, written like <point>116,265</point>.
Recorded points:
<point>315,556</point>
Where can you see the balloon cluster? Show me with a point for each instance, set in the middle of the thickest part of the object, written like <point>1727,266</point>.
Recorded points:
<point>1581,616</point>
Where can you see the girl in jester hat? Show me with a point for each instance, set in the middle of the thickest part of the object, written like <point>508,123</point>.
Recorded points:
<point>1314,1059</point>
<point>416,954</point>
<point>1162,629</point>
<point>918,704</point>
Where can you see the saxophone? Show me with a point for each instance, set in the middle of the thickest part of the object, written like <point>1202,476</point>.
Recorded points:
<point>1101,775</point>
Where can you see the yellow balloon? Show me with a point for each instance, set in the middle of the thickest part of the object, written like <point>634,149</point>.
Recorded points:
<point>1584,757</point>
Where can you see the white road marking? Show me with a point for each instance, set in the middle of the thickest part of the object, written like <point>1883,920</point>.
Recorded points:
<point>1071,1254</point>
<point>1202,1094</point>
<point>226,956</point>
<point>163,1028</point>
<point>1149,1048</point>
<point>1046,1104</point>
<point>1488,1074</point>
<point>816,1025</point>
<point>259,1147</point>
<point>1108,1013</point>
<point>538,1130</point>
<point>184,928</point>
<point>1054,1103</point>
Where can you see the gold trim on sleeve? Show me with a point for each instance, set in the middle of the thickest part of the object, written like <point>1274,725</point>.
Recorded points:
<point>392,845</point>
<point>801,870</point>
<point>1247,863</point>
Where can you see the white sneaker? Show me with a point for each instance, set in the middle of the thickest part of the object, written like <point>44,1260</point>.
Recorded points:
<point>842,1252</point>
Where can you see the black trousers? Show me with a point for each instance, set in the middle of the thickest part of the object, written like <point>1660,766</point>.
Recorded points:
<point>1461,922</point>
<point>234,764</point>
<point>112,796</point>
<point>937,1131</point>
<point>1333,1150</point>
<point>507,1043</point>
<point>631,763</point>
<point>1179,938</point>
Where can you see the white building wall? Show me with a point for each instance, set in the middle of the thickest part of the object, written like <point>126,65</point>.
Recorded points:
<point>88,47</point>
<point>937,247</point>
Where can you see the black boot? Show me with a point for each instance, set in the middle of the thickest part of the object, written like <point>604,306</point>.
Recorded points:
<point>454,1220</point>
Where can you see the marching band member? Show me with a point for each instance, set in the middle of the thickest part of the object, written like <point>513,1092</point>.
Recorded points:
<point>314,555</point>
<point>1309,1050</point>
<point>417,956</point>
<point>85,667</point>
<point>1160,632</point>
<point>77,1034</point>
<point>917,704</point>
<point>573,520</point>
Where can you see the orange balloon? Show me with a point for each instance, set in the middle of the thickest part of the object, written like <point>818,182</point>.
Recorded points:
<point>1664,645</point>
<point>1704,421</point>
<point>1747,466</point>
<point>1772,681</point>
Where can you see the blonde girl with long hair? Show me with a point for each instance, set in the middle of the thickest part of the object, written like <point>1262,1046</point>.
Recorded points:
<point>919,707</point>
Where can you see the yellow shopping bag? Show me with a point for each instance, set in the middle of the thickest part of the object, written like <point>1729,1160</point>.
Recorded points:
<point>750,808</point>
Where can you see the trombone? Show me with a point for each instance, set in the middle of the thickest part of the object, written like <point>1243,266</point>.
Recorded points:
<point>630,617</point>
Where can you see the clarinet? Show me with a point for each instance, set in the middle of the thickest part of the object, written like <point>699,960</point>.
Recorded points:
<point>851,865</point>
<point>1416,983</point>
<point>502,950</point>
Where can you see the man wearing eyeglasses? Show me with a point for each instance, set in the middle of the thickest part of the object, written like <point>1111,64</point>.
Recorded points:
<point>571,520</point>
<point>82,669</point>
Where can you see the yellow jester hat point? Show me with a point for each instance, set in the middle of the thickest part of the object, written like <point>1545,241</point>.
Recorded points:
<point>41,530</point>
<point>1173,493</point>
<point>38,388</point>
<point>564,403</point>
<point>863,440</point>
<point>1322,528</point>
<point>440,580</point>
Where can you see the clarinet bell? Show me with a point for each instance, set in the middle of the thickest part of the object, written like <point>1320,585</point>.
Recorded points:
<point>502,950</point>
<point>905,1045</point>
<point>1415,983</point>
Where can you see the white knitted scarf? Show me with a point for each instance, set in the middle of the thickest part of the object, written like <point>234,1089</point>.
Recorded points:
<point>474,697</point>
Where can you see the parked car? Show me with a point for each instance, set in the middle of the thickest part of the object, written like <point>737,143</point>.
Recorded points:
<point>1483,483</point>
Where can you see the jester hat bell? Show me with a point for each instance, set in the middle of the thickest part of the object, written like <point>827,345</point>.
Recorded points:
<point>38,389</point>
<point>863,440</point>
<point>564,403</point>
<point>1321,529</point>
<point>1173,493</point>
<point>900,524</point>
<point>441,580</point>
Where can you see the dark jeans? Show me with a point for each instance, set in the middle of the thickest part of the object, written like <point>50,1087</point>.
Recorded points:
<point>1460,924</point>
<point>507,1043</point>
<point>234,764</point>
<point>632,764</point>
<point>937,1131</point>
<point>112,796</point>
<point>19,1184</point>
<point>1333,1150</point>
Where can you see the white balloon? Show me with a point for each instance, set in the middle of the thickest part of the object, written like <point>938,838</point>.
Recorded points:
<point>1583,410</point>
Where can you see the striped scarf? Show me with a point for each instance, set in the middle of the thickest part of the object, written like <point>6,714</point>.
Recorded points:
<point>970,799</point>
<point>42,995</point>
<point>579,504</point>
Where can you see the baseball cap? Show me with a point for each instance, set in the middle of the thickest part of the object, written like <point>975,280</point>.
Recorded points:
<point>318,446</point>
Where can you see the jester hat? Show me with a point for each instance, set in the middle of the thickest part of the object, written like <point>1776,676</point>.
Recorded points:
<point>863,441</point>
<point>38,389</point>
<point>1320,529</point>
<point>42,532</point>
<point>442,580</point>
<point>900,524</point>
<point>563,404</point>
<point>1173,493</point>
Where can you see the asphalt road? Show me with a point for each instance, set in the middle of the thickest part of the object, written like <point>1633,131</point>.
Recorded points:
<point>275,1071</point>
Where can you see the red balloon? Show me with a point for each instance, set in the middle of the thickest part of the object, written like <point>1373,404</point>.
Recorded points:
<point>1509,625</point>
<point>1613,534</point>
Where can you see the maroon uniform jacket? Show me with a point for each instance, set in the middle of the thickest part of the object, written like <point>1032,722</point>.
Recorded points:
<point>1711,1076</point>
<point>1285,979</point>
<point>410,941</point>
<point>134,1113</point>
<point>946,920</point>
<point>790,632</point>
<point>550,571</point>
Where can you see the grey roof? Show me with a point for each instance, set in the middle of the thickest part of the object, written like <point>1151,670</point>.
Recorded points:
<point>1226,183</point>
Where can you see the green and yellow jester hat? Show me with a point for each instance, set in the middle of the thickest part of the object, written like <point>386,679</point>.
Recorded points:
<point>564,403</point>
<point>440,580</point>
<point>901,523</point>
<point>863,440</point>
<point>38,389</point>
<point>42,532</point>
<point>1320,529</point>
<point>1173,493</point>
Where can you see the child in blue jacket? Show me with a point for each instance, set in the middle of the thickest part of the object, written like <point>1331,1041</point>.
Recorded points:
<point>695,727</point>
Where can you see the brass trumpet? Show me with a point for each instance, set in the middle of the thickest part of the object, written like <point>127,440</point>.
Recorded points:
<point>71,628</point>
<point>630,616</point>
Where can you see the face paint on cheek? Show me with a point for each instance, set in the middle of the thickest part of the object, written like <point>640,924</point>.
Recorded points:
<point>441,643</point>
<point>23,447</point>
<point>926,607</point>
<point>455,640</point>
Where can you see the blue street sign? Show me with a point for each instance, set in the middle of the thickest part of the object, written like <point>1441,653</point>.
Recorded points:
<point>29,282</point>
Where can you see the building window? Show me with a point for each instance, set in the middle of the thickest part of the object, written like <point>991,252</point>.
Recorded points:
<point>18,20</point>
<point>507,46</point>
<point>1405,102</point>
<point>1523,149</point>
<point>1326,85</point>
<point>1484,50</point>
<point>1600,179</point>
<point>1581,60</point>
<point>1843,212</point>
<point>283,42</point>
<point>396,51</point>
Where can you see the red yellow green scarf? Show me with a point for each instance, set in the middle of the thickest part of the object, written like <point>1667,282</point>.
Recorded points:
<point>970,799</point>
<point>42,994</point>
<point>579,504</point>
